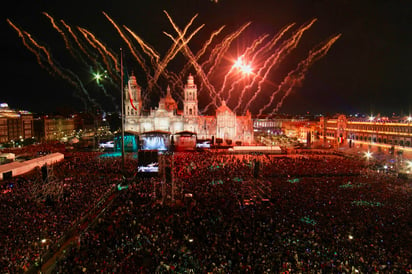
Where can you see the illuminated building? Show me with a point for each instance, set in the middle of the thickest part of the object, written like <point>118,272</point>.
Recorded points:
<point>15,125</point>
<point>224,125</point>
<point>303,131</point>
<point>53,128</point>
<point>381,133</point>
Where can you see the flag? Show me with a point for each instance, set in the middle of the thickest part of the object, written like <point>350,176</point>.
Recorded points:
<point>125,77</point>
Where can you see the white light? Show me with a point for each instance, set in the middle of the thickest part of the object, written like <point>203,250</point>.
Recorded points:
<point>350,237</point>
<point>238,63</point>
<point>368,155</point>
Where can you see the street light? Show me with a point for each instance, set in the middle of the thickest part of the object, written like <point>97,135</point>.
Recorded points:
<point>368,156</point>
<point>409,165</point>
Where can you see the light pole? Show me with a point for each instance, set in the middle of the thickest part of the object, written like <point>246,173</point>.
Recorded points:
<point>122,102</point>
<point>368,156</point>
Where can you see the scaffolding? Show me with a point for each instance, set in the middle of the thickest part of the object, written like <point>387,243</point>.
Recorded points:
<point>47,186</point>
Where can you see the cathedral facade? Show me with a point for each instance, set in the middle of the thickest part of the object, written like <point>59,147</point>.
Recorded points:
<point>224,125</point>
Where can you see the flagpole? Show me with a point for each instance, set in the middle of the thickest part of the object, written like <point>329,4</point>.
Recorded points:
<point>122,118</point>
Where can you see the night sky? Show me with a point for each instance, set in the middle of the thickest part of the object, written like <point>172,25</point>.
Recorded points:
<point>365,71</point>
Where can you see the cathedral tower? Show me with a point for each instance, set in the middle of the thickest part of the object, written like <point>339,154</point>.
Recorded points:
<point>190,99</point>
<point>133,101</point>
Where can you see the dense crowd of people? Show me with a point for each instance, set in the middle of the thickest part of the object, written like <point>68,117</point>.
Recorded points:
<point>36,213</point>
<point>227,214</point>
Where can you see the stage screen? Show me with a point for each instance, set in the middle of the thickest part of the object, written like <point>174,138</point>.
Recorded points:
<point>185,142</point>
<point>203,143</point>
<point>148,162</point>
<point>130,143</point>
<point>154,142</point>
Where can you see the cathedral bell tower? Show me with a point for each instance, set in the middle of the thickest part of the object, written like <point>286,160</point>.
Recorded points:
<point>133,101</point>
<point>190,101</point>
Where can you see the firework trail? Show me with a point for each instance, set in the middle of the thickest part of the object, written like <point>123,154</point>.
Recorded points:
<point>104,52</point>
<point>183,44</point>
<point>86,36</point>
<point>226,41</point>
<point>217,54</point>
<point>202,51</point>
<point>154,56</point>
<point>224,46</point>
<point>101,86</point>
<point>170,53</point>
<point>21,35</point>
<point>49,59</point>
<point>79,85</point>
<point>76,39</point>
<point>239,63</point>
<point>190,56</point>
<point>76,82</point>
<point>78,56</point>
<point>175,79</point>
<point>261,51</point>
<point>131,47</point>
<point>66,41</point>
<point>276,58</point>
<point>276,38</point>
<point>179,83</point>
<point>55,69</point>
<point>297,75</point>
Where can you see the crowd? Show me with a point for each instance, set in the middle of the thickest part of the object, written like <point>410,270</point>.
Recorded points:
<point>229,214</point>
<point>317,214</point>
<point>35,214</point>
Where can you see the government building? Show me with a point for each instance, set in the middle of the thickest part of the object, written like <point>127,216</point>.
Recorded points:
<point>224,125</point>
<point>385,134</point>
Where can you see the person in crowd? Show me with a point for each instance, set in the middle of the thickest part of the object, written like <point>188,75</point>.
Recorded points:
<point>308,213</point>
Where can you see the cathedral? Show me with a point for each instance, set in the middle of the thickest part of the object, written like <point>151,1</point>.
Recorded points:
<point>224,125</point>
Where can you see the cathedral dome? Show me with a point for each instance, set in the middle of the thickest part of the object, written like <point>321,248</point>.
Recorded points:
<point>223,108</point>
<point>169,102</point>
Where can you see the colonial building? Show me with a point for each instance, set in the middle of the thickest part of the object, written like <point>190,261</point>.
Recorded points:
<point>224,125</point>
<point>380,132</point>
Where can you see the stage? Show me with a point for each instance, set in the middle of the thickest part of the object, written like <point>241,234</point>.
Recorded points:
<point>18,168</point>
<point>256,149</point>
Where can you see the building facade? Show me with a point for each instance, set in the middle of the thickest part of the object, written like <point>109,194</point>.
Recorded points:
<point>225,125</point>
<point>15,125</point>
<point>49,128</point>
<point>382,133</point>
